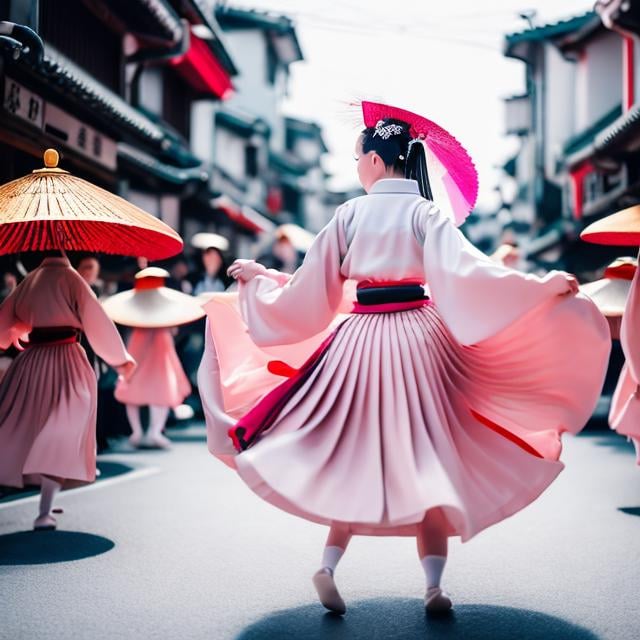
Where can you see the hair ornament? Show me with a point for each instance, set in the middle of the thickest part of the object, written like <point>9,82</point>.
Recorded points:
<point>386,131</point>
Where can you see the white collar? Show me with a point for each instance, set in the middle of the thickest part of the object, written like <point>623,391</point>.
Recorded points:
<point>395,185</point>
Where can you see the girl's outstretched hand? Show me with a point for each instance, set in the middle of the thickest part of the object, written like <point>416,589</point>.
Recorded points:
<point>245,270</point>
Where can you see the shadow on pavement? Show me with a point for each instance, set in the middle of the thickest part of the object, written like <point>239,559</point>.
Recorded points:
<point>404,618</point>
<point>186,437</point>
<point>110,469</point>
<point>107,469</point>
<point>632,511</point>
<point>46,547</point>
<point>611,440</point>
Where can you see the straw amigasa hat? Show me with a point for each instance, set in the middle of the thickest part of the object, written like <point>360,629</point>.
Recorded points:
<point>206,241</point>
<point>151,305</point>
<point>51,209</point>
<point>621,228</point>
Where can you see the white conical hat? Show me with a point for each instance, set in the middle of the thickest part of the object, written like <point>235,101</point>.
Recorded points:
<point>151,305</point>
<point>300,238</point>
<point>209,241</point>
<point>610,293</point>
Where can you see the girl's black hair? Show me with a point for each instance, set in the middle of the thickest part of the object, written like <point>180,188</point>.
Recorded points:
<point>399,153</point>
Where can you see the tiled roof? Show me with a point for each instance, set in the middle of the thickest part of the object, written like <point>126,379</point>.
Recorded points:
<point>241,122</point>
<point>516,45</point>
<point>231,18</point>
<point>552,29</point>
<point>167,173</point>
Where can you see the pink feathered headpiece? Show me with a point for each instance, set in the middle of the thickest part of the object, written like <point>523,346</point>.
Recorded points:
<point>451,169</point>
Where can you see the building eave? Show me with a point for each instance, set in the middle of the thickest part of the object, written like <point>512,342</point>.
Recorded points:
<point>198,14</point>
<point>243,124</point>
<point>147,164</point>
<point>518,44</point>
<point>233,19</point>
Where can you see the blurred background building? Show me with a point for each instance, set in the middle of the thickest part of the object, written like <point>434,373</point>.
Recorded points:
<point>578,127</point>
<point>173,104</point>
<point>177,106</point>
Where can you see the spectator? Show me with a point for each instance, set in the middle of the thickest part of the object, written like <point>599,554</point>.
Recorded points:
<point>89,269</point>
<point>9,283</point>
<point>214,278</point>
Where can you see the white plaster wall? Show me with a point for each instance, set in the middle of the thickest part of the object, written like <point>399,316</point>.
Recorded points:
<point>150,89</point>
<point>253,93</point>
<point>229,153</point>
<point>559,101</point>
<point>203,129</point>
<point>599,79</point>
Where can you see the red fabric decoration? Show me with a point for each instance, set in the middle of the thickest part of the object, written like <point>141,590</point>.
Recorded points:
<point>505,434</point>
<point>200,68</point>
<point>150,282</point>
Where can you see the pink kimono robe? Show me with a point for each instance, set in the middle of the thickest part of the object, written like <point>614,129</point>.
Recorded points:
<point>48,396</point>
<point>459,404</point>
<point>624,415</point>
<point>159,378</point>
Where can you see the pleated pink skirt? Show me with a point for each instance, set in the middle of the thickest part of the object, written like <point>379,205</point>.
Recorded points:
<point>159,378</point>
<point>48,417</point>
<point>398,418</point>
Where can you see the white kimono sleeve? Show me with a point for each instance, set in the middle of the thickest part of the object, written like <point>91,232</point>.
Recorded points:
<point>11,327</point>
<point>477,297</point>
<point>278,313</point>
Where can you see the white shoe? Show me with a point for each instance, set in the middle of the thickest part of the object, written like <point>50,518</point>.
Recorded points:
<point>45,523</point>
<point>328,592</point>
<point>437,601</point>
<point>158,442</point>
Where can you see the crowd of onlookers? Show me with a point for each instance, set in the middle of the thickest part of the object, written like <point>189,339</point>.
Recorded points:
<point>198,273</point>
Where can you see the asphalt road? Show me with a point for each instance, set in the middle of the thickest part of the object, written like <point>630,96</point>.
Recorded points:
<point>178,547</point>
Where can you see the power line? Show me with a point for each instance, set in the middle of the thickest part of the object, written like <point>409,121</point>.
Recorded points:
<point>321,23</point>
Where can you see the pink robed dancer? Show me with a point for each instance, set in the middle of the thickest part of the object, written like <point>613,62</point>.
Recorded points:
<point>408,417</point>
<point>618,297</point>
<point>48,396</point>
<point>159,382</point>
<point>624,415</point>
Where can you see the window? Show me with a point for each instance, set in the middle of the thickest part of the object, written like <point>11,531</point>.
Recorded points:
<point>84,39</point>
<point>251,161</point>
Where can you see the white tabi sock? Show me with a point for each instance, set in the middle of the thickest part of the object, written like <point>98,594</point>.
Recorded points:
<point>330,557</point>
<point>433,567</point>
<point>157,419</point>
<point>133,415</point>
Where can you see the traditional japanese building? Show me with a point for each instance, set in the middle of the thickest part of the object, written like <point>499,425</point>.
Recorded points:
<point>114,90</point>
<point>273,163</point>
<point>578,96</point>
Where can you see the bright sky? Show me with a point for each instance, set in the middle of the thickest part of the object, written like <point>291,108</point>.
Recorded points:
<point>442,60</point>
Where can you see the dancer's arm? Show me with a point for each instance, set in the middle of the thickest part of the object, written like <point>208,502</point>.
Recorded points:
<point>100,330</point>
<point>283,312</point>
<point>12,329</point>
<point>476,296</point>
